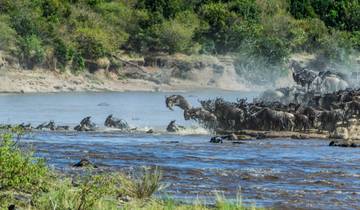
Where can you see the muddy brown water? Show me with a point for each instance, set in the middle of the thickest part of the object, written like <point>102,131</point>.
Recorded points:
<point>278,173</point>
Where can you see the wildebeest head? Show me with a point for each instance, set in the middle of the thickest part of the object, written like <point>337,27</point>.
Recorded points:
<point>176,100</point>
<point>85,121</point>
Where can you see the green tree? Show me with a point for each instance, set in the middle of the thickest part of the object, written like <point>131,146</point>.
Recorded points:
<point>176,35</point>
<point>7,35</point>
<point>31,51</point>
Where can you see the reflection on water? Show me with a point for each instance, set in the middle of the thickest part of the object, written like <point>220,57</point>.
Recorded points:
<point>280,173</point>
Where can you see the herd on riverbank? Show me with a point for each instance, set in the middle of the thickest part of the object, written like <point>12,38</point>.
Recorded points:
<point>321,102</point>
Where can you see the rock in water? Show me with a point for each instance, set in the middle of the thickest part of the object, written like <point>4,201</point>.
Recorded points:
<point>84,163</point>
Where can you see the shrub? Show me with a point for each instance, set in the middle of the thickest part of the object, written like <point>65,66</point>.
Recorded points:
<point>315,33</point>
<point>78,63</point>
<point>90,43</point>
<point>176,35</point>
<point>355,40</point>
<point>272,48</point>
<point>143,185</point>
<point>92,190</point>
<point>20,171</point>
<point>31,51</point>
<point>7,35</point>
<point>62,53</point>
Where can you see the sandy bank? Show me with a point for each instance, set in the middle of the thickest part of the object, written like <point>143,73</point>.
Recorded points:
<point>158,73</point>
<point>44,81</point>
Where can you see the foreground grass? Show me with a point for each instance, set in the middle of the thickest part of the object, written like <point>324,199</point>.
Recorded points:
<point>27,183</point>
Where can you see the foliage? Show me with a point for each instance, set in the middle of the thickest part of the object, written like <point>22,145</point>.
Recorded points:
<point>78,63</point>
<point>78,30</point>
<point>143,186</point>
<point>31,51</point>
<point>341,14</point>
<point>176,35</point>
<point>63,53</point>
<point>19,170</point>
<point>8,34</point>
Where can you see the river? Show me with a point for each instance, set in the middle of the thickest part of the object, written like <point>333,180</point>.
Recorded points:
<point>277,173</point>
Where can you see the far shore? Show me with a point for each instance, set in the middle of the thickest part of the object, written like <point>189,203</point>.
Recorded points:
<point>45,81</point>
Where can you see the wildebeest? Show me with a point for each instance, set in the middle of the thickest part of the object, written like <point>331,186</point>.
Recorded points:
<point>308,111</point>
<point>113,122</point>
<point>268,119</point>
<point>329,119</point>
<point>352,108</point>
<point>201,115</point>
<point>172,127</point>
<point>85,125</point>
<point>228,115</point>
<point>177,100</point>
<point>302,122</point>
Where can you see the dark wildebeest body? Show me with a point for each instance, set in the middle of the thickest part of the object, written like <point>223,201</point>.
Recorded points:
<point>172,127</point>
<point>268,119</point>
<point>311,113</point>
<point>302,122</point>
<point>85,125</point>
<point>228,115</point>
<point>201,115</point>
<point>329,119</point>
<point>113,122</point>
<point>352,109</point>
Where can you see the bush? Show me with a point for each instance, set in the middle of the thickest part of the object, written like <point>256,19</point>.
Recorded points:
<point>31,51</point>
<point>176,35</point>
<point>62,53</point>
<point>78,63</point>
<point>355,40</point>
<point>7,35</point>
<point>228,25</point>
<point>20,171</point>
<point>90,192</point>
<point>90,43</point>
<point>341,14</point>
<point>142,186</point>
<point>272,48</point>
<point>315,32</point>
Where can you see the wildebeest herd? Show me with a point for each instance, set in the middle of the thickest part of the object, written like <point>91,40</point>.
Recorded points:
<point>298,108</point>
<point>85,125</point>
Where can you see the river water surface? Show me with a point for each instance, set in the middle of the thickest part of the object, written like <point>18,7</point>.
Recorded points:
<point>278,173</point>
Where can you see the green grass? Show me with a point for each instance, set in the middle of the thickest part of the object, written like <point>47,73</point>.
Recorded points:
<point>28,183</point>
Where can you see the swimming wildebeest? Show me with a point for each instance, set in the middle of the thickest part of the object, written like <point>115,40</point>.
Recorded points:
<point>172,127</point>
<point>85,125</point>
<point>113,122</point>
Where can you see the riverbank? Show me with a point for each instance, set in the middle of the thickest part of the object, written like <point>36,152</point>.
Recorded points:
<point>154,73</point>
<point>44,81</point>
